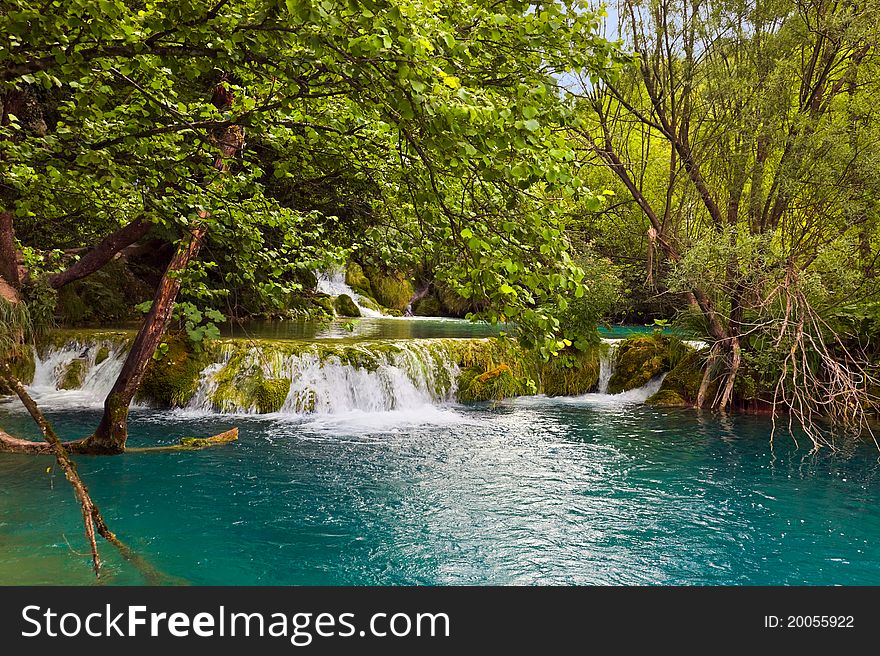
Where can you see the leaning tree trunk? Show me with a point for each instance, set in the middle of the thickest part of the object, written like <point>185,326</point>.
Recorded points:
<point>112,432</point>
<point>101,254</point>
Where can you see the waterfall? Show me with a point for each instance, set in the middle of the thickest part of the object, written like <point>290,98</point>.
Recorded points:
<point>297,378</point>
<point>606,363</point>
<point>333,283</point>
<point>329,378</point>
<point>97,377</point>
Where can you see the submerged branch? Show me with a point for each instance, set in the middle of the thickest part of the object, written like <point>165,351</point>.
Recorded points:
<point>93,520</point>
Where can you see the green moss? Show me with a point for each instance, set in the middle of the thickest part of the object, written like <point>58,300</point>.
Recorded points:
<point>74,374</point>
<point>391,290</point>
<point>64,336</point>
<point>493,385</point>
<point>682,384</point>
<point>357,279</point>
<point>172,377</point>
<point>102,354</point>
<point>667,398</point>
<point>639,359</point>
<point>23,367</point>
<point>271,394</point>
<point>304,402</point>
<point>571,373</point>
<point>345,306</point>
<point>427,307</point>
<point>368,302</point>
<point>325,303</point>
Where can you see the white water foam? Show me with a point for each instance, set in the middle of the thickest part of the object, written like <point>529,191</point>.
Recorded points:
<point>97,383</point>
<point>411,376</point>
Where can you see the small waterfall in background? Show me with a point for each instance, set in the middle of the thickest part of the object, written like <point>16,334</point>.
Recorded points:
<point>333,283</point>
<point>606,363</point>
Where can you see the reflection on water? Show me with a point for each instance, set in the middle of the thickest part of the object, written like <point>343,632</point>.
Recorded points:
<point>390,328</point>
<point>364,328</point>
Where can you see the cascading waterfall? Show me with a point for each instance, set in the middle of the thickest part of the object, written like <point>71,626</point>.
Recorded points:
<point>330,380</point>
<point>51,365</point>
<point>299,378</point>
<point>333,283</point>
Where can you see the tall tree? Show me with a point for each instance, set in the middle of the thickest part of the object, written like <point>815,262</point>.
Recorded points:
<point>745,134</point>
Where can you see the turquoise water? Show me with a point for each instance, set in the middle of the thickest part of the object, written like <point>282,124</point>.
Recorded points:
<point>537,491</point>
<point>388,328</point>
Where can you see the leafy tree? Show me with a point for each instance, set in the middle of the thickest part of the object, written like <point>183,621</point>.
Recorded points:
<point>181,120</point>
<point>746,135</point>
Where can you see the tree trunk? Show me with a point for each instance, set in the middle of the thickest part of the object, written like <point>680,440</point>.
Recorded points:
<point>112,432</point>
<point>102,253</point>
<point>8,251</point>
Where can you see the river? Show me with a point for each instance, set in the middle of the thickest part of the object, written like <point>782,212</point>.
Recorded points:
<point>596,489</point>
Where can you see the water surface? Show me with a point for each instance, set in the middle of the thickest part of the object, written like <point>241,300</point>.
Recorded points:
<point>590,490</point>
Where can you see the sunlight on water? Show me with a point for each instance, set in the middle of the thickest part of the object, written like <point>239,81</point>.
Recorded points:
<point>389,481</point>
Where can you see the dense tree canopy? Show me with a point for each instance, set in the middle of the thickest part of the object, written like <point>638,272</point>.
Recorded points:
<point>440,122</point>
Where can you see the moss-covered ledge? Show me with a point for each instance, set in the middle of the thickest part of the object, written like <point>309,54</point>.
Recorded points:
<point>643,357</point>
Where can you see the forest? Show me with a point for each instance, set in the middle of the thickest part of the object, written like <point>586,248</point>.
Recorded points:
<point>709,169</point>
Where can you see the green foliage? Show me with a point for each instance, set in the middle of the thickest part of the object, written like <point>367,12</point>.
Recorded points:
<point>409,130</point>
<point>199,326</point>
<point>580,315</point>
<point>15,326</point>
<point>107,296</point>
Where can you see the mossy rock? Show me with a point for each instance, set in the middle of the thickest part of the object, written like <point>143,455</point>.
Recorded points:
<point>571,373</point>
<point>304,402</point>
<point>307,279</point>
<point>667,398</point>
<point>453,304</point>
<point>23,367</point>
<point>73,374</point>
<point>639,359</point>
<point>357,279</point>
<point>345,306</point>
<point>369,303</point>
<point>427,307</point>
<point>391,290</point>
<point>107,295</point>
<point>172,376</point>
<point>682,384</point>
<point>102,354</point>
<point>498,383</point>
<point>271,394</point>
<point>325,303</point>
